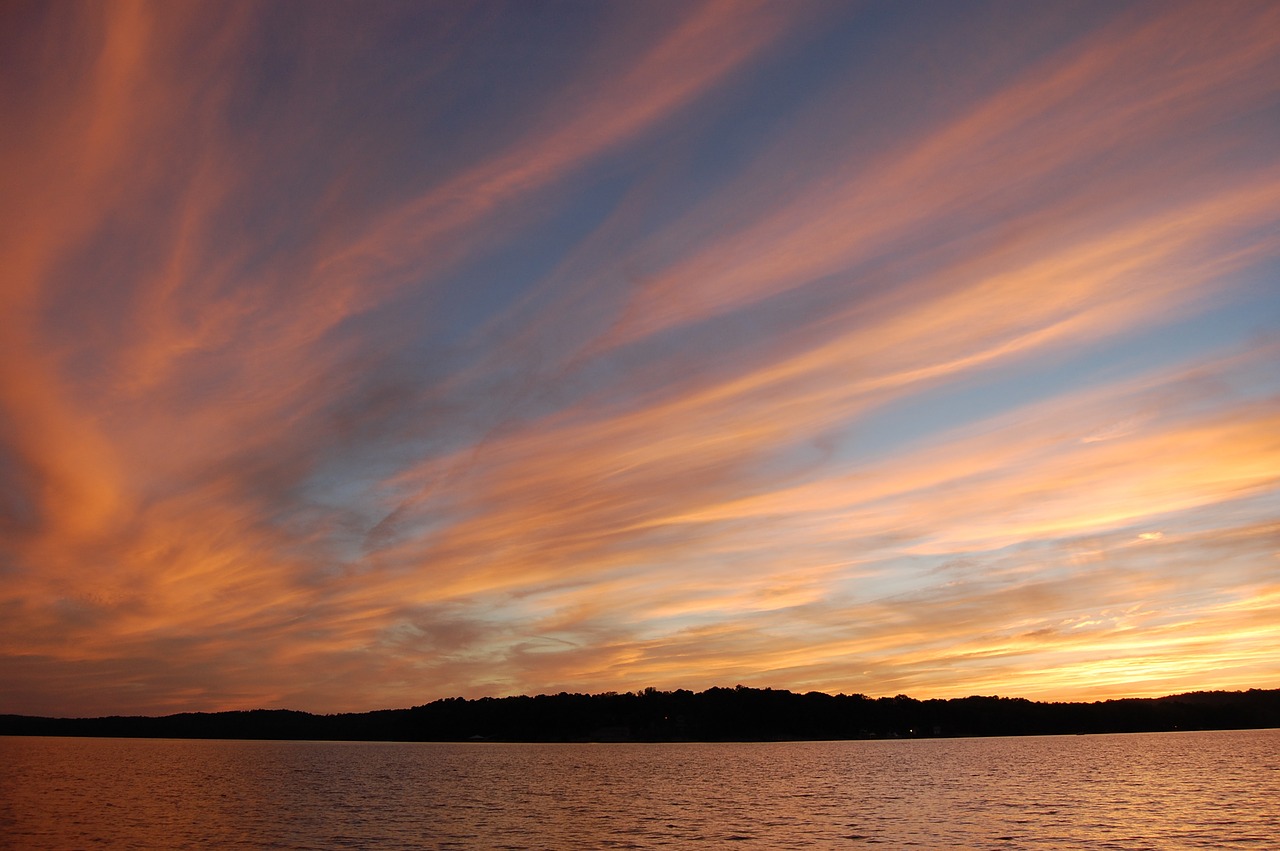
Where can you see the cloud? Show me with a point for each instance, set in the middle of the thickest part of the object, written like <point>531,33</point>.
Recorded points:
<point>1025,144</point>
<point>352,360</point>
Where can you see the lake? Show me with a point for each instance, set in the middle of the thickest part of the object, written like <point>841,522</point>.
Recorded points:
<point>1129,791</point>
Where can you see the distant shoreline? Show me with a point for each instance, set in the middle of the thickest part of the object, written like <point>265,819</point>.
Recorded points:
<point>715,715</point>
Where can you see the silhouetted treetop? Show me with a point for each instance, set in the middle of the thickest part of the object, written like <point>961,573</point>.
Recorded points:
<point>717,714</point>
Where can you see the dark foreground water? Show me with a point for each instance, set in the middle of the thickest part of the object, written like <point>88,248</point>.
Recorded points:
<point>1158,791</point>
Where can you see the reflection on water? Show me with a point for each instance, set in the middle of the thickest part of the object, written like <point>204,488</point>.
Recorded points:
<point>1155,790</point>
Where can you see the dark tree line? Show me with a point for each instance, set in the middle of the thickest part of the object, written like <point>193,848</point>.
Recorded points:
<point>718,714</point>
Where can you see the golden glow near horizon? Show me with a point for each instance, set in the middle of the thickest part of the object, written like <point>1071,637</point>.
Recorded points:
<point>357,357</point>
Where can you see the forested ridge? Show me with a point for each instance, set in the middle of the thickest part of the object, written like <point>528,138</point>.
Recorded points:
<point>718,714</point>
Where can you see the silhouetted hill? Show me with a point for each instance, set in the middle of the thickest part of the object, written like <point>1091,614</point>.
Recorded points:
<point>718,714</point>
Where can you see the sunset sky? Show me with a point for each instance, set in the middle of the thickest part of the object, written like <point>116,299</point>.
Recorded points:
<point>355,355</point>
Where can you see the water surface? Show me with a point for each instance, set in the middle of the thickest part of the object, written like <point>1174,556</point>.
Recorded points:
<point>1153,790</point>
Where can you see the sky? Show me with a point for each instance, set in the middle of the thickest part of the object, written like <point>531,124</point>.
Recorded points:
<point>356,355</point>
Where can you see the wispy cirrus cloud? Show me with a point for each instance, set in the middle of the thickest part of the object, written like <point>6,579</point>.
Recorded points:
<point>353,359</point>
<point>1049,148</point>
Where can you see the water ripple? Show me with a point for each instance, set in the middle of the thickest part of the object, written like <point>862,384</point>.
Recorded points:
<point>1157,791</point>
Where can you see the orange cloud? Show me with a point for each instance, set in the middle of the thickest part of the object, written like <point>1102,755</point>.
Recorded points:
<point>1003,151</point>
<point>284,425</point>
